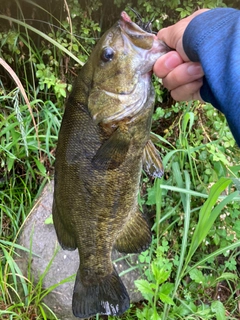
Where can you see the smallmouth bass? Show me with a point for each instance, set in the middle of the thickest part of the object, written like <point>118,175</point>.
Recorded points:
<point>104,136</point>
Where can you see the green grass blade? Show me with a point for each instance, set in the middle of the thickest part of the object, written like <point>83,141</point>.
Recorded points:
<point>206,219</point>
<point>187,217</point>
<point>179,180</point>
<point>43,35</point>
<point>214,254</point>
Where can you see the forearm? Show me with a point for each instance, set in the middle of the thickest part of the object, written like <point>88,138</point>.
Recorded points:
<point>213,39</point>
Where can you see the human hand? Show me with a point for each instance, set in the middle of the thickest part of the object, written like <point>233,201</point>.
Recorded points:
<point>181,76</point>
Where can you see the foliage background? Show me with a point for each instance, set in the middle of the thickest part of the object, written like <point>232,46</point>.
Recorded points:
<point>194,140</point>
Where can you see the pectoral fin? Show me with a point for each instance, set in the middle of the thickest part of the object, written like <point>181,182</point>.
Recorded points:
<point>152,162</point>
<point>136,236</point>
<point>113,151</point>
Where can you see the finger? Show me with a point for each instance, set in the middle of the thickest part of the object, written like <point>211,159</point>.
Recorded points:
<point>187,92</point>
<point>172,34</point>
<point>183,74</point>
<point>167,63</point>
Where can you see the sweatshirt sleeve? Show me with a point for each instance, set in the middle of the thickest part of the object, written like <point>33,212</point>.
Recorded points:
<point>213,39</point>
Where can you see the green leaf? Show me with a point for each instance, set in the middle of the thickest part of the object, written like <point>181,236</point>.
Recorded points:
<point>151,196</point>
<point>227,276</point>
<point>75,47</point>
<point>188,119</point>
<point>231,264</point>
<point>47,52</point>
<point>208,215</point>
<point>218,308</point>
<point>147,289</point>
<point>197,276</point>
<point>166,288</point>
<point>49,220</point>
<point>10,163</point>
<point>216,239</point>
<point>40,167</point>
<point>39,74</point>
<point>165,298</point>
<point>161,275</point>
<point>155,315</point>
<point>236,228</point>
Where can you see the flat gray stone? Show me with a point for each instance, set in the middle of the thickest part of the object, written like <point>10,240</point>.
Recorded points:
<point>48,258</point>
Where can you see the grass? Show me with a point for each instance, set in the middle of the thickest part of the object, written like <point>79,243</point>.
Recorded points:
<point>191,270</point>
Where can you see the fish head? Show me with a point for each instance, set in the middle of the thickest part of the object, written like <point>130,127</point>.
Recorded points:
<point>121,65</point>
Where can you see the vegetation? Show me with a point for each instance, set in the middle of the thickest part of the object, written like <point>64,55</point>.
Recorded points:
<point>191,270</point>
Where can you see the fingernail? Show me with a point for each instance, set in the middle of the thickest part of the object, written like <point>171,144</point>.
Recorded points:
<point>172,61</point>
<point>194,70</point>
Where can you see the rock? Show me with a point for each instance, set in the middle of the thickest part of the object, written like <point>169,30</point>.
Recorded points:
<point>52,264</point>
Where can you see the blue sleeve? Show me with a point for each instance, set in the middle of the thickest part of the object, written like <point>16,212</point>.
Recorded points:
<point>213,39</point>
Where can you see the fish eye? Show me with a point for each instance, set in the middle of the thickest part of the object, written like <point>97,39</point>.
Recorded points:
<point>107,54</point>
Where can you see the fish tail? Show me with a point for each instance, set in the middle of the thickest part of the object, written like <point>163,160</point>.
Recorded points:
<point>109,297</point>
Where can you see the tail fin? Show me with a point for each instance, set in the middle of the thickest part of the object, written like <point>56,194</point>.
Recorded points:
<point>108,297</point>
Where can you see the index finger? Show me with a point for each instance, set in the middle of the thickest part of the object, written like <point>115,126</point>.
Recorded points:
<point>172,36</point>
<point>167,63</point>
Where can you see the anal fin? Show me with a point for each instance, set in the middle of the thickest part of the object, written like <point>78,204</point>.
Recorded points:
<point>136,235</point>
<point>108,297</point>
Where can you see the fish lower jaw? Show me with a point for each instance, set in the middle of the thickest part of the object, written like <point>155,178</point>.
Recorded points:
<point>128,107</point>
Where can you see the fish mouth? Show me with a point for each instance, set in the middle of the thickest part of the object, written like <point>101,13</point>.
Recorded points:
<point>145,48</point>
<point>146,44</point>
<point>139,37</point>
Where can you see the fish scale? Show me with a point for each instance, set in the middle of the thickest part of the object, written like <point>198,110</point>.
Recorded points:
<point>104,132</point>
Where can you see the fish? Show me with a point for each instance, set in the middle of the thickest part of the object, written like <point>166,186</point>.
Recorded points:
<point>99,158</point>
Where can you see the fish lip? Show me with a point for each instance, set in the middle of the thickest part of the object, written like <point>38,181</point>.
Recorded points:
<point>125,16</point>
<point>126,20</point>
<point>130,30</point>
<point>126,24</point>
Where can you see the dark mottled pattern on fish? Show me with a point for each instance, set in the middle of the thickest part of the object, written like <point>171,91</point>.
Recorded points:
<point>105,129</point>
